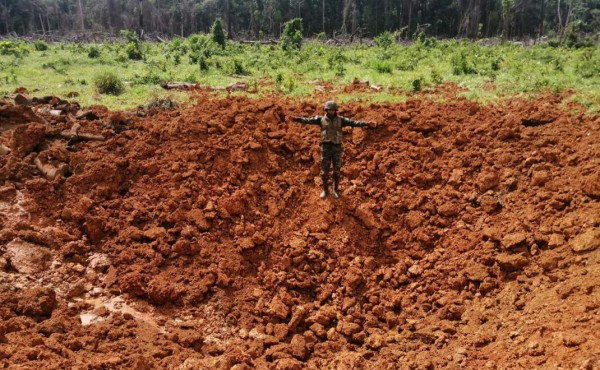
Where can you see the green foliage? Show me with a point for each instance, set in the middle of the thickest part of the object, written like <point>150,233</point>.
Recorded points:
<point>93,52</point>
<point>424,41</point>
<point>203,64</point>
<point>336,61</point>
<point>109,83</point>
<point>436,77</point>
<point>217,33</point>
<point>201,46</point>
<point>385,40</point>
<point>417,84</point>
<point>40,45</point>
<point>462,63</point>
<point>285,83</point>
<point>133,49</point>
<point>291,38</point>
<point>382,66</point>
<point>237,68</point>
<point>15,48</point>
<point>175,49</point>
<point>499,69</point>
<point>589,63</point>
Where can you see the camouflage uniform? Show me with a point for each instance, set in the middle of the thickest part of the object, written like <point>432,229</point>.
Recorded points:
<point>331,145</point>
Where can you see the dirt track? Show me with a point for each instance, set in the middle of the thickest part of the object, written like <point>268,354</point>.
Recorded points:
<point>467,236</point>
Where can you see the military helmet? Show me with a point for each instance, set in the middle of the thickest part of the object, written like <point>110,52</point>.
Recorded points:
<point>331,105</point>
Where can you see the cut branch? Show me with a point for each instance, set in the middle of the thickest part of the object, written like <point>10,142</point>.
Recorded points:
<point>49,171</point>
<point>74,134</point>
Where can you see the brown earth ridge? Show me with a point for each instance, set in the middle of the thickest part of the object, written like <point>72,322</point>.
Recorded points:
<point>467,236</point>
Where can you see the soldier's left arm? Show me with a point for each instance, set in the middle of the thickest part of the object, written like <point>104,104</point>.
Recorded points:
<point>351,123</point>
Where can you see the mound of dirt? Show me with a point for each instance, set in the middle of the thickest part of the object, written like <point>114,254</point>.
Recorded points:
<point>467,236</point>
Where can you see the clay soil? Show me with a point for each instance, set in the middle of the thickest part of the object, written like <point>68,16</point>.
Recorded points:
<point>467,236</point>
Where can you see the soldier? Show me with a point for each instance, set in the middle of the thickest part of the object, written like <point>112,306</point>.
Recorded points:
<point>331,143</point>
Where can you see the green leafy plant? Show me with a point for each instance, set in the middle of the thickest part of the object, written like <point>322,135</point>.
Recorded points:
<point>462,63</point>
<point>238,68</point>
<point>384,40</point>
<point>18,49</point>
<point>109,83</point>
<point>40,45</point>
<point>291,37</point>
<point>417,84</point>
<point>218,35</point>
<point>201,46</point>
<point>94,52</point>
<point>382,66</point>
<point>133,49</point>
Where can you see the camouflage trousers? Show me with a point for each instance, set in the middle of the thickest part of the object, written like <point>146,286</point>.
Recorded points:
<point>331,153</point>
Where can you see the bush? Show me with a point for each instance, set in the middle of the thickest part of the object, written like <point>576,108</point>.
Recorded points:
<point>384,40</point>
<point>382,66</point>
<point>201,47</point>
<point>134,46</point>
<point>203,64</point>
<point>417,84</point>
<point>17,49</point>
<point>436,77</point>
<point>109,83</point>
<point>462,64</point>
<point>93,52</point>
<point>218,35</point>
<point>238,68</point>
<point>40,45</point>
<point>291,38</point>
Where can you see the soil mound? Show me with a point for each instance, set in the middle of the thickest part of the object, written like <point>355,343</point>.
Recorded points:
<point>467,236</point>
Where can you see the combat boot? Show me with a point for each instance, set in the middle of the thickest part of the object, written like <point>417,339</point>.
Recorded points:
<point>325,191</point>
<point>336,192</point>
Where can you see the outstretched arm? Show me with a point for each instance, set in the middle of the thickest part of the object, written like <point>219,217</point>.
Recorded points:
<point>316,120</point>
<point>351,123</point>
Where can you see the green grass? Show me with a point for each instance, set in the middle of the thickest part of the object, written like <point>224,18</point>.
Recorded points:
<point>487,72</point>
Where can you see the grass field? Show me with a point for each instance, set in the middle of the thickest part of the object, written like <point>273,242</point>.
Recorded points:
<point>486,72</point>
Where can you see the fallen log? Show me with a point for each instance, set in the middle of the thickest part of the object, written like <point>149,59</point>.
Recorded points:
<point>74,134</point>
<point>262,42</point>
<point>177,85</point>
<point>50,171</point>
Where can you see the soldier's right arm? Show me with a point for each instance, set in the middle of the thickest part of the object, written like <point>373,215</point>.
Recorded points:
<point>308,121</point>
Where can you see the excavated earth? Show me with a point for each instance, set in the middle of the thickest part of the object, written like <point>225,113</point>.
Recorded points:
<point>467,236</point>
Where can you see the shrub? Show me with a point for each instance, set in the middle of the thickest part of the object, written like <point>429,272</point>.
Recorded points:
<point>238,68</point>
<point>201,46</point>
<point>94,52</point>
<point>416,84</point>
<point>17,49</point>
<point>203,64</point>
<point>109,83</point>
<point>462,64</point>
<point>436,77</point>
<point>291,38</point>
<point>384,40</point>
<point>218,35</point>
<point>40,45</point>
<point>336,61</point>
<point>425,41</point>
<point>134,46</point>
<point>382,66</point>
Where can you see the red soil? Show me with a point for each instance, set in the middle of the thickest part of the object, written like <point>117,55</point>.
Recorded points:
<point>467,236</point>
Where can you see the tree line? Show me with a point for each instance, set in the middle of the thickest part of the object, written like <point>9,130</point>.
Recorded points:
<point>256,19</point>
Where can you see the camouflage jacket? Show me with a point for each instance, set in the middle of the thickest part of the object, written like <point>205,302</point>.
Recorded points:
<point>331,128</point>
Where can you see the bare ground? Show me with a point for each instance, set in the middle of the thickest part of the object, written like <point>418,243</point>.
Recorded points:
<point>467,236</point>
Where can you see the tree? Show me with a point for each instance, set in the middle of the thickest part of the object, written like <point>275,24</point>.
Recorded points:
<point>291,38</point>
<point>218,35</point>
<point>506,17</point>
